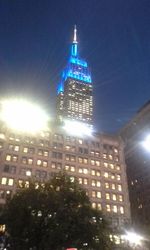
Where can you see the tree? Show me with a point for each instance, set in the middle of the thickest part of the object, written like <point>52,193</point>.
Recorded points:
<point>55,215</point>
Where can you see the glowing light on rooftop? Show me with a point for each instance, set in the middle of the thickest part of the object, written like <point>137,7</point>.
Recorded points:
<point>77,128</point>
<point>23,116</point>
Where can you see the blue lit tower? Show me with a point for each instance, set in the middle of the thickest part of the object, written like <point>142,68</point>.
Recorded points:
<point>74,96</point>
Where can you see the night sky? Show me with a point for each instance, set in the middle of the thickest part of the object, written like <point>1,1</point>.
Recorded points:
<point>114,37</point>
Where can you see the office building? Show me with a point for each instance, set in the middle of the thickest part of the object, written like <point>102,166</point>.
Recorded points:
<point>138,165</point>
<point>75,97</point>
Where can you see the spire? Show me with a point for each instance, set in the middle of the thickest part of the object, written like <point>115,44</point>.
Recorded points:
<point>74,47</point>
<point>75,35</point>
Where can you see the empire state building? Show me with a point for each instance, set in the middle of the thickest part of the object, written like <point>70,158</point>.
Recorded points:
<point>75,90</point>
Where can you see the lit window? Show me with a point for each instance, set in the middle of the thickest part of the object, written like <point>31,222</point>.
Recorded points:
<point>25,150</point>
<point>112,166</point>
<point>104,156</point>
<point>4,181</point>
<point>85,171</point>
<point>94,194</point>
<point>20,183</point>
<point>119,188</point>
<point>93,183</point>
<point>45,153</point>
<point>16,148</point>
<point>97,163</point>
<point>113,176</point>
<point>116,150</point>
<point>45,163</point>
<point>10,182</point>
<point>98,173</point>
<point>98,184</point>
<point>72,169</point>
<point>14,158</point>
<point>92,162</point>
<point>118,167</point>
<point>114,208</point>
<point>80,180</point>
<point>26,184</point>
<point>110,157</point>
<point>99,206</point>
<point>94,205</point>
<point>120,197</point>
<point>114,197</point>
<point>122,210</point>
<point>106,185</point>
<point>39,162</point>
<point>107,207</point>
<point>98,194</point>
<point>80,141</point>
<point>106,175</point>
<point>2,136</point>
<point>118,177</point>
<point>105,164</point>
<point>30,161</point>
<point>66,167</point>
<point>85,181</point>
<point>107,196</point>
<point>113,186</point>
<point>8,157</point>
<point>93,172</point>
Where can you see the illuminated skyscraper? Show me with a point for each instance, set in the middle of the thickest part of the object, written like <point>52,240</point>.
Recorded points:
<point>74,96</point>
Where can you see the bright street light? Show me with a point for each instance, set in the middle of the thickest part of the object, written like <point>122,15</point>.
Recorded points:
<point>146,143</point>
<point>133,238</point>
<point>23,116</point>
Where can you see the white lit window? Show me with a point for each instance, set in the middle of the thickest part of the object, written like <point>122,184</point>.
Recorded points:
<point>112,166</point>
<point>98,184</point>
<point>39,162</point>
<point>118,177</point>
<point>112,176</point>
<point>107,196</point>
<point>85,181</point>
<point>10,182</point>
<point>2,136</point>
<point>80,180</point>
<point>93,183</point>
<point>25,150</point>
<point>66,167</point>
<point>122,210</point>
<point>14,158</point>
<point>72,169</point>
<point>45,163</point>
<point>114,197</point>
<point>92,172</point>
<point>4,181</point>
<point>105,164</point>
<point>106,175</point>
<point>104,156</point>
<point>30,161</point>
<point>113,186</point>
<point>94,205</point>
<point>120,197</point>
<point>119,188</point>
<point>97,163</point>
<point>93,194</point>
<point>118,167</point>
<point>8,157</point>
<point>85,171</point>
<point>106,185</point>
<point>114,208</point>
<point>110,157</point>
<point>108,208</point>
<point>16,148</point>
<point>99,206</point>
<point>98,195</point>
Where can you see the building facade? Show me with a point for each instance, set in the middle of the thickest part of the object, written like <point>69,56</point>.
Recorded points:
<point>138,165</point>
<point>74,95</point>
<point>97,162</point>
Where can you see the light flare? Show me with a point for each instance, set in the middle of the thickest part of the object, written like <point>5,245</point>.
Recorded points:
<point>23,116</point>
<point>77,128</point>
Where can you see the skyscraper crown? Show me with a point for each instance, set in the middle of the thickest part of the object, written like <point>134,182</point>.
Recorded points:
<point>76,68</point>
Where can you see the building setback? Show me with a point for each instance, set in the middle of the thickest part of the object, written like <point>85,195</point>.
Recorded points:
<point>138,165</point>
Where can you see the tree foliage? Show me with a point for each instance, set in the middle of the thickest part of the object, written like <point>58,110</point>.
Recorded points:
<point>55,215</point>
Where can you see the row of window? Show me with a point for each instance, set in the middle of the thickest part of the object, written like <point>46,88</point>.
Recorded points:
<point>109,208</point>
<point>59,137</point>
